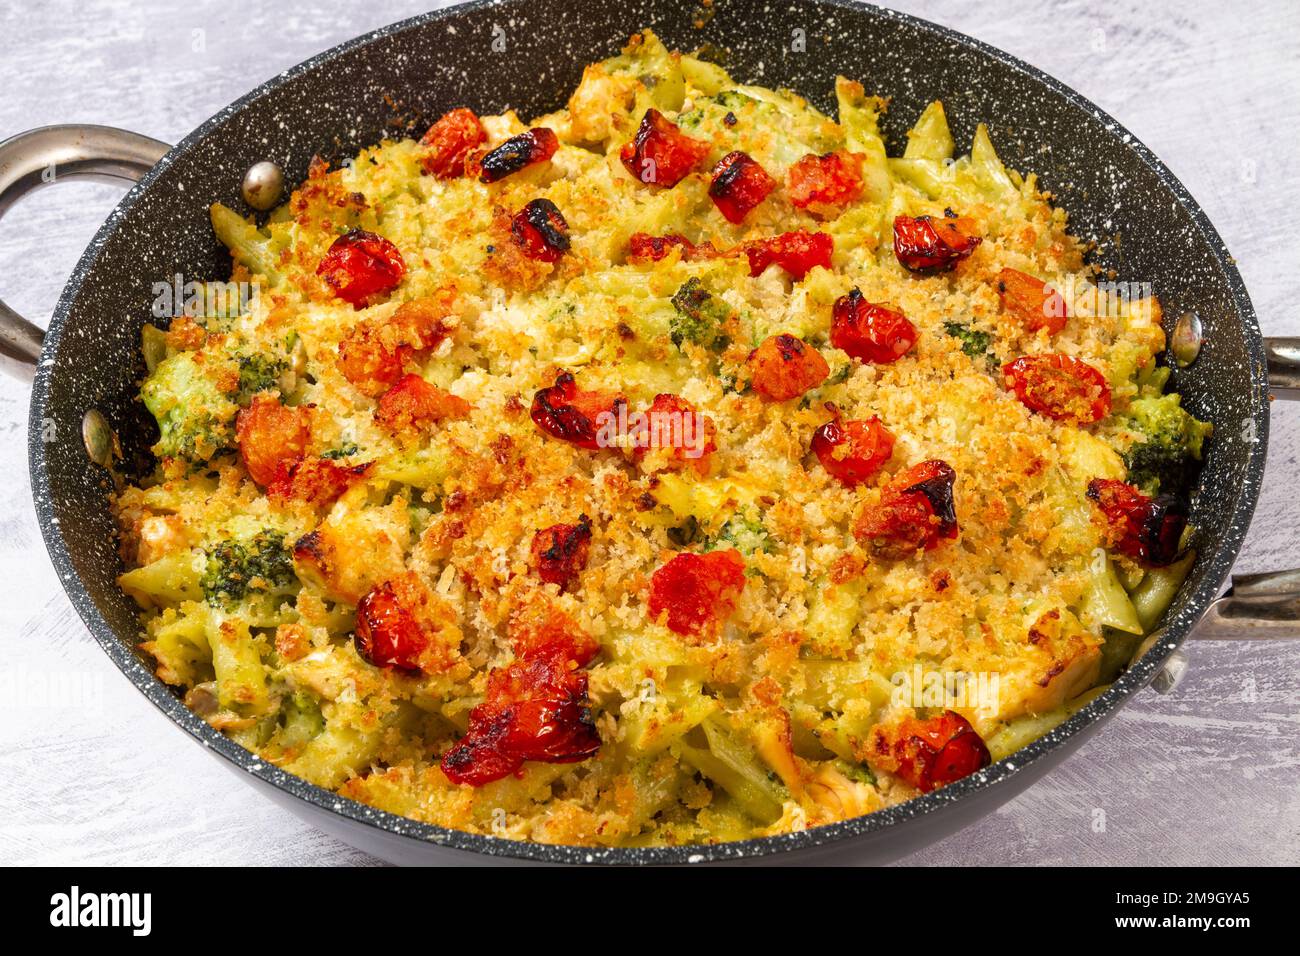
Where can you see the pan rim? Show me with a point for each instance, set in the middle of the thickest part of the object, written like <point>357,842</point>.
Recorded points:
<point>1219,562</point>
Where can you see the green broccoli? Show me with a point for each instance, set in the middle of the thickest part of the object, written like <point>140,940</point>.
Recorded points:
<point>1161,460</point>
<point>239,568</point>
<point>973,342</point>
<point>699,317</point>
<point>195,416</point>
<point>747,535</point>
<point>259,372</point>
<point>346,450</point>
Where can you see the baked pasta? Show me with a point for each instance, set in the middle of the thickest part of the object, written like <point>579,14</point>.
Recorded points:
<point>676,468</point>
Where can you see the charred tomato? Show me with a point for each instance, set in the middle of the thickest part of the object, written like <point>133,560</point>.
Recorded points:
<point>360,266</point>
<point>870,333</point>
<point>739,184</point>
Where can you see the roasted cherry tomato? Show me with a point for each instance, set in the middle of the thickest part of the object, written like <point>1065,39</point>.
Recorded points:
<point>934,752</point>
<point>387,633</point>
<point>928,245</point>
<point>1146,529</point>
<point>414,404</point>
<point>1031,302</point>
<point>795,252</point>
<point>316,481</point>
<point>571,414</point>
<point>870,333</point>
<point>560,552</point>
<point>1060,387</point>
<point>532,146</point>
<point>642,247</point>
<point>535,709</point>
<point>540,230</point>
<point>450,141</point>
<point>271,437</point>
<point>360,266</point>
<point>373,355</point>
<point>660,154</point>
<point>825,183</point>
<point>540,629</point>
<point>739,184</point>
<point>697,591</point>
<point>916,511</point>
<point>673,423</point>
<point>854,450</point>
<point>784,367</point>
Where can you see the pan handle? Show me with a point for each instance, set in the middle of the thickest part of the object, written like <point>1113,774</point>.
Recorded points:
<point>1258,607</point>
<point>1262,606</point>
<point>49,154</point>
<point>1283,356</point>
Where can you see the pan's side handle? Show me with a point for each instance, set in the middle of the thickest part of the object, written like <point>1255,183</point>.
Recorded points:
<point>1258,607</point>
<point>47,155</point>
<point>1262,606</point>
<point>1283,356</point>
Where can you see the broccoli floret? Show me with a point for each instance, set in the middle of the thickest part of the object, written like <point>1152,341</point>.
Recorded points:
<point>257,373</point>
<point>195,416</point>
<point>1171,440</point>
<point>237,569</point>
<point>346,450</point>
<point>747,535</point>
<point>973,342</point>
<point>699,317</point>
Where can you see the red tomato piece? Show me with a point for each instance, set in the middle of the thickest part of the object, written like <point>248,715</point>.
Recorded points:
<point>642,247</point>
<point>825,183</point>
<point>928,245</point>
<point>853,450</point>
<point>795,252</point>
<point>571,414</point>
<point>697,591</point>
<point>532,146</point>
<point>870,333</point>
<point>414,404</point>
<point>271,437</point>
<point>934,752</point>
<point>535,709</point>
<point>1060,387</point>
<point>540,629</point>
<point>671,422</point>
<point>316,481</point>
<point>1030,302</point>
<point>739,184</point>
<point>560,552</point>
<point>450,141</point>
<point>373,355</point>
<point>660,154</point>
<point>387,633</point>
<point>784,367</point>
<point>541,231</point>
<point>1146,529</point>
<point>916,511</point>
<point>360,266</point>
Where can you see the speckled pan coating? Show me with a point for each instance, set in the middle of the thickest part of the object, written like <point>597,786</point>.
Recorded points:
<point>1146,225</point>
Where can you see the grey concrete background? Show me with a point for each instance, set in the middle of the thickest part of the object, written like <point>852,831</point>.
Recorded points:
<point>1206,776</point>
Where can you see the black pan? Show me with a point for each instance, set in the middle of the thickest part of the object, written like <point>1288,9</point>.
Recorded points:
<point>410,73</point>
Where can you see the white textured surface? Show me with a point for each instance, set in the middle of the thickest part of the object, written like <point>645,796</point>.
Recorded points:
<point>90,773</point>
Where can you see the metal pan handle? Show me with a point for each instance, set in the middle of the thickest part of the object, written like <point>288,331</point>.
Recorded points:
<point>50,154</point>
<point>1258,607</point>
<point>1262,606</point>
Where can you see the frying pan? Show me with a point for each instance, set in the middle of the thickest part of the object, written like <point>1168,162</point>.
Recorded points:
<point>1145,225</point>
